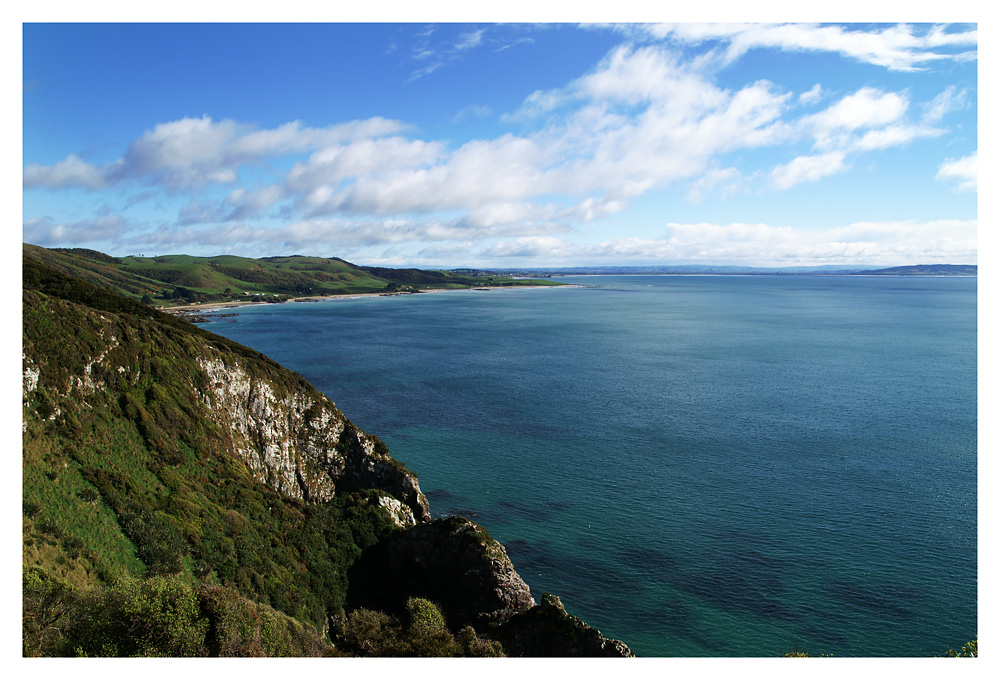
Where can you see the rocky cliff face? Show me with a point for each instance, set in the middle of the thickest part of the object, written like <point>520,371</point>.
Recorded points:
<point>299,443</point>
<point>294,440</point>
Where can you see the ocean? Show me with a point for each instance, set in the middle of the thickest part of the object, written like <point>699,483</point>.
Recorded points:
<point>696,465</point>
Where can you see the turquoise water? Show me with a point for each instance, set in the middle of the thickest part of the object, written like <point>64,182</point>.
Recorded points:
<point>700,466</point>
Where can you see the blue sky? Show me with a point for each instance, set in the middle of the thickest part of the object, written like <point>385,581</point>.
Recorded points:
<point>505,145</point>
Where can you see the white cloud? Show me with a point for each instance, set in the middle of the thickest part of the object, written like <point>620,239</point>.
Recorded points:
<point>866,108</point>
<point>812,96</point>
<point>473,111</point>
<point>469,40</point>
<point>247,204</point>
<point>331,165</point>
<point>808,169</point>
<point>640,120</point>
<point>950,99</point>
<point>70,172</point>
<point>965,170</point>
<point>898,48</point>
<point>548,248</point>
<point>893,135</point>
<point>47,232</point>
<point>195,151</point>
<point>874,243</point>
<point>728,179</point>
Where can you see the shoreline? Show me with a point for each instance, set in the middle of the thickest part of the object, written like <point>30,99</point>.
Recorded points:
<point>206,307</point>
<point>211,306</point>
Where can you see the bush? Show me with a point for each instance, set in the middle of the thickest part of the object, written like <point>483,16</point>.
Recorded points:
<point>132,617</point>
<point>427,634</point>
<point>373,633</point>
<point>47,604</point>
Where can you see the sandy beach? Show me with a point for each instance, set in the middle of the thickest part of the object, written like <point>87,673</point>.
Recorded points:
<point>213,306</point>
<point>205,307</point>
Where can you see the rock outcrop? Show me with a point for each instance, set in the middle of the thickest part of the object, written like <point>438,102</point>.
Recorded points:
<point>300,443</point>
<point>548,630</point>
<point>453,562</point>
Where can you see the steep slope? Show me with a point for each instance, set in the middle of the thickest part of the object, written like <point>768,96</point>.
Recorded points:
<point>154,449</point>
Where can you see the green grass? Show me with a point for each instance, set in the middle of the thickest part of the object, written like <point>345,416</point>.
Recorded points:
<point>171,280</point>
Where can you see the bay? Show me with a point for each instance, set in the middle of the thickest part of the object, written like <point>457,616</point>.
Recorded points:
<point>697,465</point>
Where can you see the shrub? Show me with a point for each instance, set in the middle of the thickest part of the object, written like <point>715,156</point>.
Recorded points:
<point>373,633</point>
<point>427,634</point>
<point>473,645</point>
<point>30,509</point>
<point>47,603</point>
<point>89,495</point>
<point>132,617</point>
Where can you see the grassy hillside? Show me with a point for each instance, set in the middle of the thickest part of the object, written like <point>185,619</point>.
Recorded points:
<point>144,533</point>
<point>134,478</point>
<point>178,279</point>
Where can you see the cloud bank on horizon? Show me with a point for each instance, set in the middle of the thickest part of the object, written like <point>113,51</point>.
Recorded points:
<point>506,145</point>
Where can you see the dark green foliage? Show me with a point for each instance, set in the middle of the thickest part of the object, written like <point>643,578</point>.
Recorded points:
<point>239,627</point>
<point>48,604</point>
<point>155,617</point>
<point>419,631</point>
<point>88,254</point>
<point>132,617</point>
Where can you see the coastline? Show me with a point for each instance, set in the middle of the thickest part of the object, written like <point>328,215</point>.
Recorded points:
<point>212,306</point>
<point>205,307</point>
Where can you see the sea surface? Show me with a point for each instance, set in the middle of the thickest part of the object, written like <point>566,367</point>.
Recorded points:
<point>697,465</point>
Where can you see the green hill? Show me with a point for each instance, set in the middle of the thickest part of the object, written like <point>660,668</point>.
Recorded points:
<point>179,279</point>
<point>185,495</point>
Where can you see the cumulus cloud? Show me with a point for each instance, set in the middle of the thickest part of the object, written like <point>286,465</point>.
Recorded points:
<point>197,151</point>
<point>70,172</point>
<point>964,170</point>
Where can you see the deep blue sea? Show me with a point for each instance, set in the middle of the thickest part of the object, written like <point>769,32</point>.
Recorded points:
<point>697,465</point>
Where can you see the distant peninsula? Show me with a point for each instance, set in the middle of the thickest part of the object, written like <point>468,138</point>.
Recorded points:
<point>927,270</point>
<point>723,270</point>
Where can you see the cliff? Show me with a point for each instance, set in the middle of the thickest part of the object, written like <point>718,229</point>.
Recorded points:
<point>155,450</point>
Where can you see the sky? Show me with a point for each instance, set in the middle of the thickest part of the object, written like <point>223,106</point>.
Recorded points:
<point>505,144</point>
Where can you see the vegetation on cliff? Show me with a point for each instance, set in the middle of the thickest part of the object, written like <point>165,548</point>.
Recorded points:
<point>185,495</point>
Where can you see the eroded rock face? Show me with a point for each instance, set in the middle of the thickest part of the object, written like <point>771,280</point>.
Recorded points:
<point>299,443</point>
